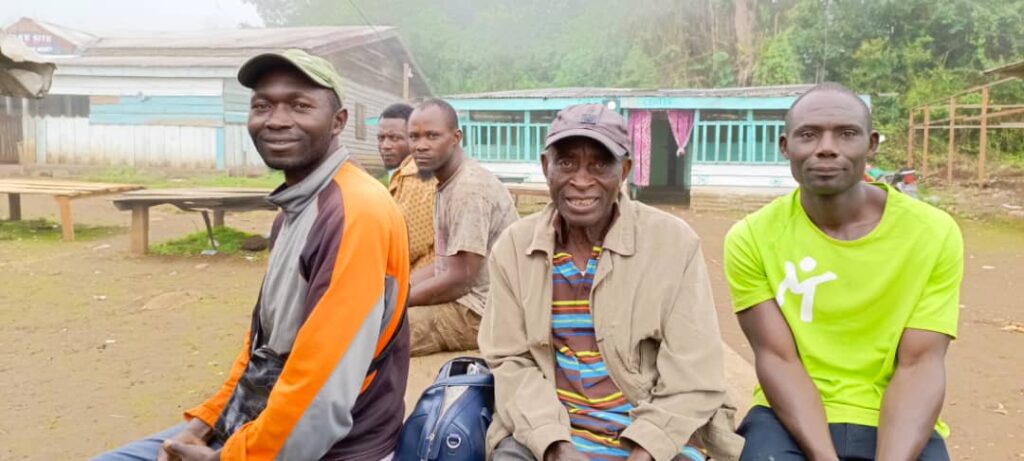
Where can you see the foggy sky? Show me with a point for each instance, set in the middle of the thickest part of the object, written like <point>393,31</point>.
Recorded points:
<point>133,15</point>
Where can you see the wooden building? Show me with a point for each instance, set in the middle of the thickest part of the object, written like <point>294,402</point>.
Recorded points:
<point>726,138</point>
<point>171,99</point>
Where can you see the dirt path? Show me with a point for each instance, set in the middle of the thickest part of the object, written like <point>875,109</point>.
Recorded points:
<point>98,347</point>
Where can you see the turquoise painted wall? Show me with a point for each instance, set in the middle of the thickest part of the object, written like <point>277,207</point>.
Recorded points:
<point>157,110</point>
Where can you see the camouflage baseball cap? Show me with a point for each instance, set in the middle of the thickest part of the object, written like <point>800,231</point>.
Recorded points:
<point>318,69</point>
<point>594,121</point>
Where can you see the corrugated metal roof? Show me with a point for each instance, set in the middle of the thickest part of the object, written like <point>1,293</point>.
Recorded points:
<point>150,61</point>
<point>239,42</point>
<point>78,38</point>
<point>586,92</point>
<point>23,73</point>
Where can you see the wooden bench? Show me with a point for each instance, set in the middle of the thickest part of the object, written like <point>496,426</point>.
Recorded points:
<point>204,200</point>
<point>518,189</point>
<point>62,191</point>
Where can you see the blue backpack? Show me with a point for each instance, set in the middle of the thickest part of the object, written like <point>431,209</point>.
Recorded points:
<point>450,420</point>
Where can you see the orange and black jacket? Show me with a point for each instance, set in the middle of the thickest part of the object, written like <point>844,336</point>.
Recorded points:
<point>332,302</point>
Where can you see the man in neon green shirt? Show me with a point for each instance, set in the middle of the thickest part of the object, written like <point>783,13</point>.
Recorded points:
<point>849,294</point>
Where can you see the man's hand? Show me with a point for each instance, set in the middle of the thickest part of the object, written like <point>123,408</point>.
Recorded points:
<point>194,434</point>
<point>190,452</point>
<point>563,451</point>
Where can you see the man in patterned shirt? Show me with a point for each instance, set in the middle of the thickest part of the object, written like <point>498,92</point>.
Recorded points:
<point>600,327</point>
<point>414,194</point>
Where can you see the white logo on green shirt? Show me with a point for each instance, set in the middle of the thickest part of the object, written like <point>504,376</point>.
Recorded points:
<point>805,288</point>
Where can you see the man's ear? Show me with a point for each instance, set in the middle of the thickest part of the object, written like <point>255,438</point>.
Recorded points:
<point>340,120</point>
<point>458,136</point>
<point>782,146</point>
<point>627,164</point>
<point>544,158</point>
<point>873,140</point>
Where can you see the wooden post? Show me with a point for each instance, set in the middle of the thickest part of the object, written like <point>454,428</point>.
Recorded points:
<point>406,70</point>
<point>950,155</point>
<point>218,218</point>
<point>910,140</point>
<point>64,203</point>
<point>983,147</point>
<point>14,207</point>
<point>924,142</point>
<point>140,229</point>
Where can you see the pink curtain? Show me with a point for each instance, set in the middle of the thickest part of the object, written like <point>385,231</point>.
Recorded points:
<point>682,124</point>
<point>640,137</point>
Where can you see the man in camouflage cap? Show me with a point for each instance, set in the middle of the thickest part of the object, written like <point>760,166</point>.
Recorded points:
<point>322,372</point>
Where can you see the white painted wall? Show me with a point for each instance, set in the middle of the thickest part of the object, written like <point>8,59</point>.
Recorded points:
<point>74,141</point>
<point>742,176</point>
<point>525,172</point>
<point>239,151</point>
<point>133,86</point>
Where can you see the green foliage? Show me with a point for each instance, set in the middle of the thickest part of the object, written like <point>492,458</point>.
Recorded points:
<point>229,241</point>
<point>48,231</point>
<point>156,180</point>
<point>902,52</point>
<point>778,63</point>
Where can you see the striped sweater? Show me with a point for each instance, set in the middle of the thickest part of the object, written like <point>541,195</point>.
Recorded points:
<point>332,300</point>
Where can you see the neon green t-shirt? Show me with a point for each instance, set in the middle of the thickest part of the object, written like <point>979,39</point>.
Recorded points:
<point>848,302</point>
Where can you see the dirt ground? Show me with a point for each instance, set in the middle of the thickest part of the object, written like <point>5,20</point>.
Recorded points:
<point>98,347</point>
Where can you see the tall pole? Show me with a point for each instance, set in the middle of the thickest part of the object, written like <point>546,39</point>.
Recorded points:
<point>984,134</point>
<point>405,80</point>
<point>910,140</point>
<point>924,142</point>
<point>952,141</point>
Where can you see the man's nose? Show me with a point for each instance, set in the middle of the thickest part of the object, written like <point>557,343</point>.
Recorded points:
<point>581,179</point>
<point>279,119</point>
<point>826,146</point>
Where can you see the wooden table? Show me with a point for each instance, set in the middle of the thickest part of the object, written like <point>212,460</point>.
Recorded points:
<point>527,188</point>
<point>204,200</point>
<point>62,191</point>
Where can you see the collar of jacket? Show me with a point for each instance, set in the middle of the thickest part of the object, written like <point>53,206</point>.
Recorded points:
<point>295,198</point>
<point>621,236</point>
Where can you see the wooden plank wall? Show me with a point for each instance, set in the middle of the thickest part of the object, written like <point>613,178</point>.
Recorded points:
<point>76,141</point>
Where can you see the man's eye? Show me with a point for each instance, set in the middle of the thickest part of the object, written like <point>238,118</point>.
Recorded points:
<point>260,106</point>
<point>807,135</point>
<point>303,106</point>
<point>848,133</point>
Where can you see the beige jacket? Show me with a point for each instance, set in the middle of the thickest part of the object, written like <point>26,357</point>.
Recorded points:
<point>656,328</point>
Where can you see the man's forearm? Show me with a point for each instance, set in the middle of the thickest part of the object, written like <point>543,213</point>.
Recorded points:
<point>439,289</point>
<point>797,403</point>
<point>910,409</point>
<point>421,274</point>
